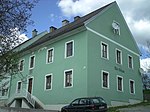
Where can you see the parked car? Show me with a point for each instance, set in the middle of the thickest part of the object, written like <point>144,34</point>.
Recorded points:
<point>88,104</point>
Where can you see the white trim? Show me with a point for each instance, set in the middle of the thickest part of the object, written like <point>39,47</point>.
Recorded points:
<point>120,56</point>
<point>20,64</point>
<point>132,61</point>
<point>107,50</point>
<point>17,86</point>
<point>65,78</point>
<point>33,62</point>
<point>107,79</point>
<point>52,55</point>
<point>118,76</point>
<point>32,83</point>
<point>93,31</point>
<point>72,48</point>
<point>133,86</point>
<point>51,82</point>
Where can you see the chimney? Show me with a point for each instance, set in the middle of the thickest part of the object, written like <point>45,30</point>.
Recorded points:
<point>76,18</point>
<point>65,22</point>
<point>34,33</point>
<point>52,28</point>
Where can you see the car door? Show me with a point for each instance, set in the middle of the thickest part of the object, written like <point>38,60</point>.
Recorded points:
<point>74,106</point>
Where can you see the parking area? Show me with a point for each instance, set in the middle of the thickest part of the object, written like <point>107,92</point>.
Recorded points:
<point>136,109</point>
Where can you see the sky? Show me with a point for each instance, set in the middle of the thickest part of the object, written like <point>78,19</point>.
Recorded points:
<point>51,12</point>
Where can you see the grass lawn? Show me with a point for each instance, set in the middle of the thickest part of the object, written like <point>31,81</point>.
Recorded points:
<point>115,109</point>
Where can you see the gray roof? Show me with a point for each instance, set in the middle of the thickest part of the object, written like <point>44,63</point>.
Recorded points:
<point>67,28</point>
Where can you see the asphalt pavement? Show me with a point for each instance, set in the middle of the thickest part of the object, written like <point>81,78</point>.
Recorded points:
<point>136,109</point>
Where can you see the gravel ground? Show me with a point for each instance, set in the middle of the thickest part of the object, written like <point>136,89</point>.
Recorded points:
<point>136,109</point>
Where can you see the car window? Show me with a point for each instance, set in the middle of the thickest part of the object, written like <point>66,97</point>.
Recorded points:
<point>96,101</point>
<point>82,102</point>
<point>75,102</point>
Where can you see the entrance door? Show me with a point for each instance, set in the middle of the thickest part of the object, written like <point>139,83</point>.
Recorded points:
<point>30,82</point>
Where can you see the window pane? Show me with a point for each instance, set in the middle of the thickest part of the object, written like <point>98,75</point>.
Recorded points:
<point>130,62</point>
<point>105,79</point>
<point>21,65</point>
<point>131,86</point>
<point>48,82</point>
<point>104,50</point>
<point>119,83</point>
<point>50,56</point>
<point>118,56</point>
<point>68,78</point>
<point>32,62</point>
<point>69,51</point>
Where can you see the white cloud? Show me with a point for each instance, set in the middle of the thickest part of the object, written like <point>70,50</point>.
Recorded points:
<point>23,38</point>
<point>136,13</point>
<point>145,64</point>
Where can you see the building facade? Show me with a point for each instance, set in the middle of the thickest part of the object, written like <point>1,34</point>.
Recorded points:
<point>95,55</point>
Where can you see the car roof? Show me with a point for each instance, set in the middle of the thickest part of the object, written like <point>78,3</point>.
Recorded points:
<point>89,98</point>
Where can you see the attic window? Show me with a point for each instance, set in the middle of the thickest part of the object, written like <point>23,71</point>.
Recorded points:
<point>116,27</point>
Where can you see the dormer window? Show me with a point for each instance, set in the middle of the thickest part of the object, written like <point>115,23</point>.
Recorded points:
<point>116,27</point>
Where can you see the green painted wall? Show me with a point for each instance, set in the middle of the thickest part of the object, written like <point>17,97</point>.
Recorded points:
<point>102,25</point>
<point>78,63</point>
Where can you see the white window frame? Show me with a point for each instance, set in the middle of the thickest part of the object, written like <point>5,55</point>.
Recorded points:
<point>107,79</point>
<point>118,76</point>
<point>17,87</point>
<point>65,78</point>
<point>51,82</point>
<point>72,48</point>
<point>52,55</point>
<point>30,62</point>
<point>133,86</point>
<point>102,50</point>
<point>120,56</point>
<point>20,65</point>
<point>128,61</point>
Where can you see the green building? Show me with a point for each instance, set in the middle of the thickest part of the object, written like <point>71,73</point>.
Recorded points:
<point>95,55</point>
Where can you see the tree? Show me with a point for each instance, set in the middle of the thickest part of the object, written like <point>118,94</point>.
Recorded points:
<point>14,17</point>
<point>146,66</point>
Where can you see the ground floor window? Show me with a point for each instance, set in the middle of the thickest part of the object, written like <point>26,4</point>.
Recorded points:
<point>19,86</point>
<point>68,78</point>
<point>105,79</point>
<point>132,86</point>
<point>48,82</point>
<point>119,83</point>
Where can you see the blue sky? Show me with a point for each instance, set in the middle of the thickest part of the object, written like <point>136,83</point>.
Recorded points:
<point>41,15</point>
<point>51,12</point>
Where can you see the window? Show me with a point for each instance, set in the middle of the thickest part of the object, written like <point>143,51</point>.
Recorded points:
<point>48,82</point>
<point>21,65</point>
<point>116,27</point>
<point>50,55</point>
<point>32,62</point>
<point>69,49</point>
<point>105,79</point>
<point>68,78</point>
<point>119,83</point>
<point>132,86</point>
<point>130,62</point>
<point>19,86</point>
<point>118,56</point>
<point>104,50</point>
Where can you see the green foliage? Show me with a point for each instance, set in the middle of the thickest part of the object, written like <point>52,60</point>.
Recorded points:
<point>14,18</point>
<point>146,91</point>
